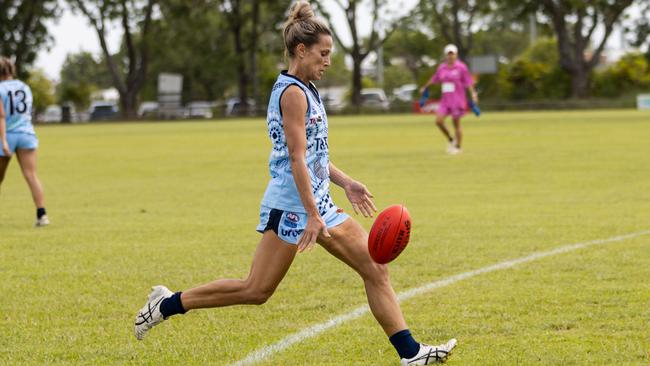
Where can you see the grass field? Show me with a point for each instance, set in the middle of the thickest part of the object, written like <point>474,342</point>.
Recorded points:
<point>134,205</point>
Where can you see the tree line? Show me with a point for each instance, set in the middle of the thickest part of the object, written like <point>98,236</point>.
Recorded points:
<point>234,47</point>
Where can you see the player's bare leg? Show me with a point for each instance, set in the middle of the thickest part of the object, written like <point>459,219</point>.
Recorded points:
<point>348,242</point>
<point>458,132</point>
<point>440,122</point>
<point>271,262</point>
<point>4,163</point>
<point>27,161</point>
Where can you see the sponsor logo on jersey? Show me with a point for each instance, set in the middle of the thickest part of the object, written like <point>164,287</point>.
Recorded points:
<point>314,120</point>
<point>321,143</point>
<point>291,220</point>
<point>290,233</point>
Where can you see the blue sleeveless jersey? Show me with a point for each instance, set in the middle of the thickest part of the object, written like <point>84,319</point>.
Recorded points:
<point>281,192</point>
<point>17,102</point>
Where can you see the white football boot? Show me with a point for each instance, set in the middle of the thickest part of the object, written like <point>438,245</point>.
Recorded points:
<point>451,147</point>
<point>429,355</point>
<point>150,315</point>
<point>43,221</point>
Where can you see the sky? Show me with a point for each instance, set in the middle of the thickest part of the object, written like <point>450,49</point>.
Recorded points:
<point>72,34</point>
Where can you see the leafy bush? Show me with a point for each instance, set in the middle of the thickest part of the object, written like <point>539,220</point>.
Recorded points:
<point>630,74</point>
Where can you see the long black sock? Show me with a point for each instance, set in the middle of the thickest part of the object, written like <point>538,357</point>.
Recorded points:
<point>40,212</point>
<point>404,343</point>
<point>172,305</point>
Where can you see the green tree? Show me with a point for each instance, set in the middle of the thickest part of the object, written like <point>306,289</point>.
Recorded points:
<point>396,76</point>
<point>135,19</point>
<point>244,20</point>
<point>85,67</point>
<point>412,50</point>
<point>81,75</point>
<point>455,20</point>
<point>536,74</point>
<point>23,30</point>
<point>42,90</point>
<point>380,32</point>
<point>338,73</point>
<point>506,43</point>
<point>575,24</point>
<point>216,71</point>
<point>79,94</point>
<point>496,86</point>
<point>640,29</point>
<point>630,74</point>
<point>191,27</point>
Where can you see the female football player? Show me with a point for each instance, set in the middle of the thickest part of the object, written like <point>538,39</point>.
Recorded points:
<point>18,134</point>
<point>454,78</point>
<point>297,210</point>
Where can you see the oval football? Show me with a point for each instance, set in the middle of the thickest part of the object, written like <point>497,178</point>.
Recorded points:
<point>389,234</point>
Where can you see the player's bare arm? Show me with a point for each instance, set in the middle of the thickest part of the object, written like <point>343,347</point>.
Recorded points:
<point>357,193</point>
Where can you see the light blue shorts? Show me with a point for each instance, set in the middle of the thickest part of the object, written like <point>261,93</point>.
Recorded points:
<point>20,140</point>
<point>289,225</point>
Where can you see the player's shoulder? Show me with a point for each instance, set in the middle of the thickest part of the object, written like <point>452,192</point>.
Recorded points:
<point>14,84</point>
<point>23,84</point>
<point>294,99</point>
<point>462,65</point>
<point>293,91</point>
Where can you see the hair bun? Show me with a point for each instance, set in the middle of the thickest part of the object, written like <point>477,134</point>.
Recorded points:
<point>301,11</point>
<point>302,26</point>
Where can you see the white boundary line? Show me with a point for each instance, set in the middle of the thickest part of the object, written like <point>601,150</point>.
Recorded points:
<point>262,353</point>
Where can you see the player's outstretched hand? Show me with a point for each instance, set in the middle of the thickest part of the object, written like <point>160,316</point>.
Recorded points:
<point>315,225</point>
<point>360,198</point>
<point>5,149</point>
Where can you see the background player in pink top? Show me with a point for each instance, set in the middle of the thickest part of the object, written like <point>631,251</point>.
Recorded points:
<point>454,78</point>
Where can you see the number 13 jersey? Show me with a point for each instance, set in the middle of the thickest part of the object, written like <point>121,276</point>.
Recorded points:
<point>17,102</point>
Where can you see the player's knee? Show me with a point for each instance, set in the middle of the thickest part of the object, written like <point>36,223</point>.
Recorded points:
<point>440,122</point>
<point>376,273</point>
<point>29,175</point>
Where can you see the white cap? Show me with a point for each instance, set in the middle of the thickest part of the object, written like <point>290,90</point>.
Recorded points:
<point>451,48</point>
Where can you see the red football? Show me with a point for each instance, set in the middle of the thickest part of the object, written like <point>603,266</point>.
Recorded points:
<point>389,234</point>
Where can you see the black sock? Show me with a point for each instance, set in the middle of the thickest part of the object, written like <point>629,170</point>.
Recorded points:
<point>404,343</point>
<point>40,212</point>
<point>172,305</point>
